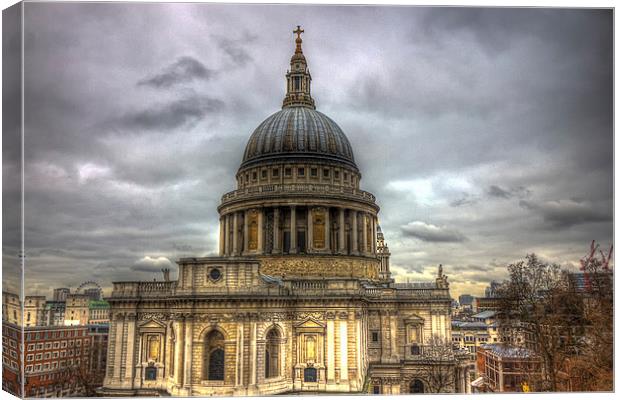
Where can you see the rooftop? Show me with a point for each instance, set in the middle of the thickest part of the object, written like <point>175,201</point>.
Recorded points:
<point>485,314</point>
<point>505,350</point>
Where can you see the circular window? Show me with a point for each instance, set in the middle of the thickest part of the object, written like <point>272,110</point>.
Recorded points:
<point>215,274</point>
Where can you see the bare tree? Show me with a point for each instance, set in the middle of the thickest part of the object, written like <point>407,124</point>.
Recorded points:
<point>566,320</point>
<point>439,365</point>
<point>591,367</point>
<point>536,308</point>
<point>82,376</point>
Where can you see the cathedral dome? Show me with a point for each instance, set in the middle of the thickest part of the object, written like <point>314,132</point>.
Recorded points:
<point>298,132</point>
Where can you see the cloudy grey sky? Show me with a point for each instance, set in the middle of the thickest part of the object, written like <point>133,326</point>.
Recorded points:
<point>486,134</point>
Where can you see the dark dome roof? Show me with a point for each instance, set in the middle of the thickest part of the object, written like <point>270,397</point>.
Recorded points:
<point>298,133</point>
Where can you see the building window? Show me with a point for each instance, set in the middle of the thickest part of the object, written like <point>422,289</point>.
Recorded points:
<point>325,173</point>
<point>31,347</point>
<point>314,172</point>
<point>376,389</point>
<point>337,174</point>
<point>275,173</point>
<point>214,350</point>
<point>415,350</point>
<point>287,172</point>
<point>301,171</point>
<point>375,336</point>
<point>254,175</point>
<point>215,274</point>
<point>272,354</point>
<point>150,373</point>
<point>263,174</point>
<point>310,375</point>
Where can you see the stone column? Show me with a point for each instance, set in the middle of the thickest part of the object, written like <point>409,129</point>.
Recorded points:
<point>221,236</point>
<point>309,231</point>
<point>393,334</point>
<point>365,248</point>
<point>328,231</point>
<point>253,331</point>
<point>261,230</point>
<point>358,350</point>
<point>226,235</point>
<point>331,356</point>
<point>178,351</point>
<point>118,347</point>
<point>239,380</point>
<point>442,324</point>
<point>246,231</point>
<point>187,364</point>
<point>276,231</point>
<point>235,240</point>
<point>354,240</point>
<point>374,235</point>
<point>341,233</point>
<point>293,249</point>
<point>130,320</point>
<point>344,352</point>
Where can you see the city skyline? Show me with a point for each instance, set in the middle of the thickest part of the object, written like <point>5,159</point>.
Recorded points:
<point>485,134</point>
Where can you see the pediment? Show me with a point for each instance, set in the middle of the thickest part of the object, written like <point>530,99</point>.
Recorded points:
<point>151,323</point>
<point>310,323</point>
<point>413,319</point>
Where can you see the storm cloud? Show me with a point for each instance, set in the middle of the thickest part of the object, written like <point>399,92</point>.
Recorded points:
<point>567,213</point>
<point>178,113</point>
<point>183,70</point>
<point>431,233</point>
<point>485,134</point>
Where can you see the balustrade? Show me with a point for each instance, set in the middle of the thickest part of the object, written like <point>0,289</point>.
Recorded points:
<point>293,188</point>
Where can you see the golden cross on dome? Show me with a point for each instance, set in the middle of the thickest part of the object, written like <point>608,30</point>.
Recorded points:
<point>298,31</point>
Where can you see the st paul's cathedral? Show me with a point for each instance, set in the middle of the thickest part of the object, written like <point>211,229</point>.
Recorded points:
<point>300,298</point>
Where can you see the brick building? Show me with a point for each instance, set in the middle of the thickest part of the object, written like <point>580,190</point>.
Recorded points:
<point>56,360</point>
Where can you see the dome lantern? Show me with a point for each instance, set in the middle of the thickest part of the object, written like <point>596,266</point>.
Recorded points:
<point>298,78</point>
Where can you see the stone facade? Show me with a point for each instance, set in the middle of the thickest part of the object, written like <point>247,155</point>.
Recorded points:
<point>300,298</point>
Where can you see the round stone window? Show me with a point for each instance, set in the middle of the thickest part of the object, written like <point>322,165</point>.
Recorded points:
<point>215,274</point>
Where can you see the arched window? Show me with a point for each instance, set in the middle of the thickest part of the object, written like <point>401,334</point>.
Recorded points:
<point>214,356</point>
<point>416,386</point>
<point>272,354</point>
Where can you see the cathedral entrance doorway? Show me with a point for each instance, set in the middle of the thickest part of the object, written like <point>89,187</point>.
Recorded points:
<point>416,386</point>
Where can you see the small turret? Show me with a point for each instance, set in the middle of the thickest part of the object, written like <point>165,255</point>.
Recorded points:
<point>383,252</point>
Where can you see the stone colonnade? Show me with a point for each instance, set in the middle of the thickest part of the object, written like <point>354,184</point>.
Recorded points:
<point>298,229</point>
